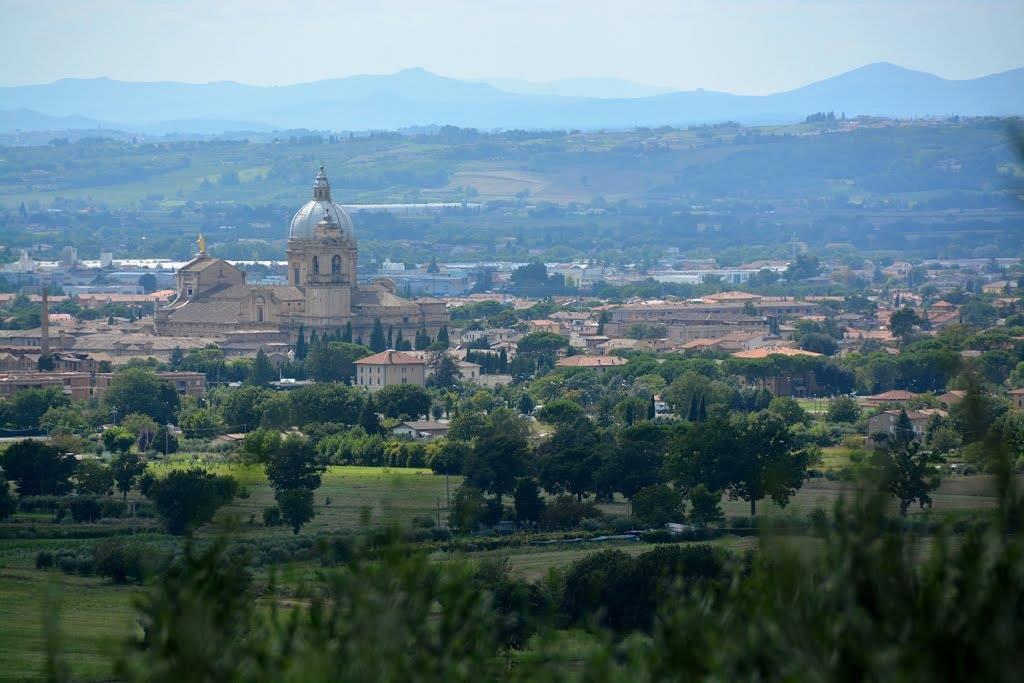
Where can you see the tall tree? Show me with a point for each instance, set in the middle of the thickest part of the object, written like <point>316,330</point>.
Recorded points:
<point>906,472</point>
<point>262,371</point>
<point>38,469</point>
<point>445,372</point>
<point>500,453</point>
<point>301,350</point>
<point>568,460</point>
<point>187,499</point>
<point>334,361</point>
<point>140,391</point>
<point>378,342</point>
<point>127,468</point>
<point>294,472</point>
<point>768,462</point>
<point>528,502</point>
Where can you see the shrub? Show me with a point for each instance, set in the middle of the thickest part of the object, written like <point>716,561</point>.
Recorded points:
<point>657,505</point>
<point>40,503</point>
<point>272,516</point>
<point>84,509</point>
<point>124,561</point>
<point>110,507</point>
<point>565,512</point>
<point>44,559</point>
<point>423,521</point>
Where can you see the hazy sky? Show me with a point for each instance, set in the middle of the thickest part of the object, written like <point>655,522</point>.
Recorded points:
<point>743,46</point>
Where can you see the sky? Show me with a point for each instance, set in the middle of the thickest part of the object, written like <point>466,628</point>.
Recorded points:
<point>740,46</point>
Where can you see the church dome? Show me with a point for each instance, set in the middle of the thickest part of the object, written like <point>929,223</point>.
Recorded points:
<point>321,207</point>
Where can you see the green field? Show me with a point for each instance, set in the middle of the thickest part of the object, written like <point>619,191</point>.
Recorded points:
<point>92,616</point>
<point>95,615</point>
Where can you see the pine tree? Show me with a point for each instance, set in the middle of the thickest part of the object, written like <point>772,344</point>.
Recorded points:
<point>377,341</point>
<point>346,336</point>
<point>301,350</point>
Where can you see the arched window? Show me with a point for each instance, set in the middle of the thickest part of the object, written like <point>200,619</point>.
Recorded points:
<point>336,267</point>
<point>316,265</point>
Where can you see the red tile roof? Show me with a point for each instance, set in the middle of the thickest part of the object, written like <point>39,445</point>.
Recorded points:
<point>590,362</point>
<point>390,357</point>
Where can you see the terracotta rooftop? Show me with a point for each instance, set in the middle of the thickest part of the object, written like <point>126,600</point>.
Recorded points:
<point>893,395</point>
<point>391,357</point>
<point>590,362</point>
<point>765,351</point>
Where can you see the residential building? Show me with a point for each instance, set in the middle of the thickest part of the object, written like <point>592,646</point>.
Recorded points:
<point>388,368</point>
<point>421,429</point>
<point>597,363</point>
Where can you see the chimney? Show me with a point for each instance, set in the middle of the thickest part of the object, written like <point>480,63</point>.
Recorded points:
<point>44,321</point>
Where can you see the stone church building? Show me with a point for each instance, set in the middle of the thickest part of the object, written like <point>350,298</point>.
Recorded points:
<point>322,292</point>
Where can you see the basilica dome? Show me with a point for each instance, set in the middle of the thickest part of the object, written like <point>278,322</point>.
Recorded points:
<point>321,207</point>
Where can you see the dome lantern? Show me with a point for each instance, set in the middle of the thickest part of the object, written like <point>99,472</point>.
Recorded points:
<point>321,187</point>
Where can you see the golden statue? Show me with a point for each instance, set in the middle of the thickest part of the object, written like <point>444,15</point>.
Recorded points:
<point>202,243</point>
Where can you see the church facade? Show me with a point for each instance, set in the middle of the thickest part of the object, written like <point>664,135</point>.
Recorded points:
<point>322,293</point>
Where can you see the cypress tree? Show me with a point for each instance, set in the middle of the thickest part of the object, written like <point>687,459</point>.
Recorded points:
<point>651,412</point>
<point>313,339</point>
<point>177,357</point>
<point>692,414</point>
<point>391,337</point>
<point>377,341</point>
<point>262,370</point>
<point>422,339</point>
<point>301,350</point>
<point>702,412</point>
<point>442,335</point>
<point>346,336</point>
<point>502,362</point>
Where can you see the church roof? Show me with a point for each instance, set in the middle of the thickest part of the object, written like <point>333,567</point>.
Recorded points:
<point>288,293</point>
<point>303,225</point>
<point>224,311</point>
<point>202,262</point>
<point>378,296</point>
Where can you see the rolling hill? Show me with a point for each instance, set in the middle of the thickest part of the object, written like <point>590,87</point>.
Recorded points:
<point>415,97</point>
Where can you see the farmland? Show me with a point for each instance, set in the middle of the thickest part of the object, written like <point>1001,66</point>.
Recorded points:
<point>94,616</point>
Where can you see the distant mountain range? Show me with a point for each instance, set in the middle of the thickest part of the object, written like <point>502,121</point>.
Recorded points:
<point>415,97</point>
